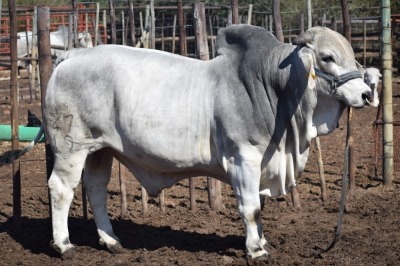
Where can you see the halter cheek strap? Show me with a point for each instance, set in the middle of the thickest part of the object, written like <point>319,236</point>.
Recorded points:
<point>339,80</point>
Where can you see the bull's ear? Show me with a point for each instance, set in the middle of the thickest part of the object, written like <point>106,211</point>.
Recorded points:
<point>361,69</point>
<point>307,57</point>
<point>303,39</point>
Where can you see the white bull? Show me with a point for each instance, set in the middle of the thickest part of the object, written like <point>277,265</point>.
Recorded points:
<point>246,117</point>
<point>371,77</point>
<point>58,43</point>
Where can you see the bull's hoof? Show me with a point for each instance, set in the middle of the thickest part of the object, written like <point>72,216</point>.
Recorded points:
<point>113,249</point>
<point>257,261</point>
<point>270,249</point>
<point>116,249</point>
<point>68,254</point>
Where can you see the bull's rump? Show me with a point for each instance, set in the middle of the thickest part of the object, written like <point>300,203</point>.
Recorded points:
<point>152,107</point>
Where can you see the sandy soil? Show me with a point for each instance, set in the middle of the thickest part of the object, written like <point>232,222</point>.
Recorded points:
<point>370,233</point>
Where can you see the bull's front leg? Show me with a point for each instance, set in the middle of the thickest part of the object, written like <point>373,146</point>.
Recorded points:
<point>245,172</point>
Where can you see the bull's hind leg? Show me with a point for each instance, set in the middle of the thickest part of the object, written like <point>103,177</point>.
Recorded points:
<point>96,178</point>
<point>63,180</point>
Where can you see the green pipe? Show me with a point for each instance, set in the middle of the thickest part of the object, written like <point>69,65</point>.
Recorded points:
<point>25,133</point>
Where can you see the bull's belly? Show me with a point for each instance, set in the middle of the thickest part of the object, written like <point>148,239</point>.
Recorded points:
<point>160,164</point>
<point>156,145</point>
<point>156,174</point>
<point>166,161</point>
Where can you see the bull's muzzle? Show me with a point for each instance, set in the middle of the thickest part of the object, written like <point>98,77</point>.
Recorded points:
<point>368,97</point>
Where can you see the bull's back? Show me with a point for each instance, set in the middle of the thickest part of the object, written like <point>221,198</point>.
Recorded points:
<point>150,106</point>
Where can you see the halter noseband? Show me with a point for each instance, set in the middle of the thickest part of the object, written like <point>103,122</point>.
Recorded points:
<point>339,80</point>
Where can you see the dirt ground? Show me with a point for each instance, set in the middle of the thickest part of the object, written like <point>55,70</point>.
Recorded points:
<point>370,232</point>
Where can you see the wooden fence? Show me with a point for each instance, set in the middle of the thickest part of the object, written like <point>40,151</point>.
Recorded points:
<point>156,28</point>
<point>365,31</point>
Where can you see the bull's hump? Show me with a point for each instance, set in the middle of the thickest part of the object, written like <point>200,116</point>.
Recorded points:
<point>241,39</point>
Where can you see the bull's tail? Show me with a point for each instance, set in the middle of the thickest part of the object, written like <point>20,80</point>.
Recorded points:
<point>9,156</point>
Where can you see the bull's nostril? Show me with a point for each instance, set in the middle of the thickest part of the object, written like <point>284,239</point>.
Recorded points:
<point>367,96</point>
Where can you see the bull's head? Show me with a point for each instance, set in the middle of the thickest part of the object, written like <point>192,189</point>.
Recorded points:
<point>330,55</point>
<point>371,78</point>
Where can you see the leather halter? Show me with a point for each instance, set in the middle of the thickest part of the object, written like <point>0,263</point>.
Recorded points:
<point>338,80</point>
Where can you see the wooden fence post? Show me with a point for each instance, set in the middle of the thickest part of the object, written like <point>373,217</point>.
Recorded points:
<point>235,11</point>
<point>84,198</point>
<point>14,115</point>
<point>321,170</point>
<point>123,27</point>
<point>34,53</point>
<point>387,103</point>
<point>1,10</point>
<point>113,26</point>
<point>30,62</point>
<point>173,35</point>
<point>183,52</point>
<point>182,35</point>
<point>105,26</point>
<point>347,34</point>
<point>132,23</point>
<point>144,200</point>
<point>250,14</point>
<point>75,12</point>
<point>45,66</point>
<point>201,31</point>
<point>122,181</point>
<point>334,23</point>
<point>214,186</point>
<point>270,23</point>
<point>212,41</point>
<point>309,17</point>
<point>162,33</point>
<point>96,27</point>
<point>70,31</point>
<point>365,44</point>
<point>153,25</point>
<point>301,27</point>
<point>278,20</point>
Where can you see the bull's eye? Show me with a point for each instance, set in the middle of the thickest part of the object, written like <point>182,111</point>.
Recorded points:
<point>328,59</point>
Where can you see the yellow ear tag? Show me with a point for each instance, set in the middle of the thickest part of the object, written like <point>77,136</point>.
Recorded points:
<point>311,77</point>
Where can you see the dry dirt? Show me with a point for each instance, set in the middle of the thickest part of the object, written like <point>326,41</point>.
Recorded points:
<point>370,233</point>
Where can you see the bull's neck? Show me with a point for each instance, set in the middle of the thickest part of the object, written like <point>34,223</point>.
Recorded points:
<point>295,105</point>
<point>294,101</point>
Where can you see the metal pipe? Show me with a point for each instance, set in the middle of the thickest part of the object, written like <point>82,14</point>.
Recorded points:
<point>24,133</point>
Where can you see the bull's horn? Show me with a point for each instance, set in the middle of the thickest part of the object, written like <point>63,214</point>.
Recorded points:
<point>302,39</point>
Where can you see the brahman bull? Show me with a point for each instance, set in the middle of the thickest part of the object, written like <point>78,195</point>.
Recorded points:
<point>371,77</point>
<point>246,117</point>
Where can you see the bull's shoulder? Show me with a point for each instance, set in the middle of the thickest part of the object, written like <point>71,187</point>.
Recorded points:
<point>240,39</point>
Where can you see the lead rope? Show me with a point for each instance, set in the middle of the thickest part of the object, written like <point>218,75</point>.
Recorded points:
<point>341,206</point>
<point>343,190</point>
